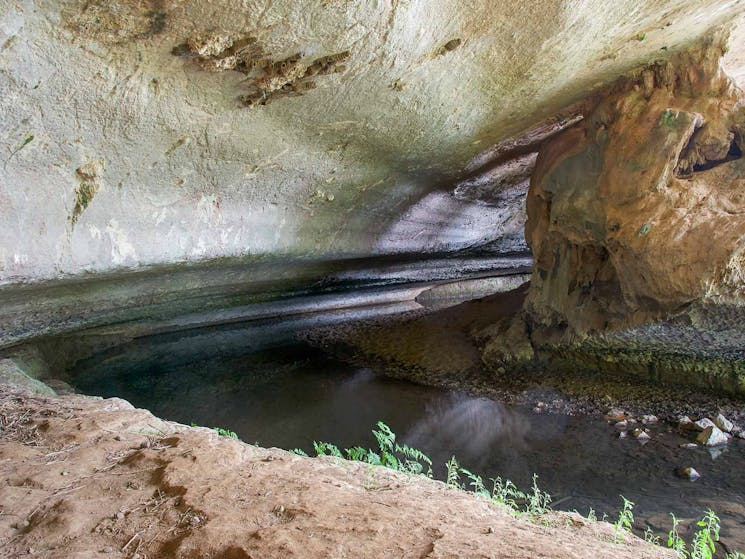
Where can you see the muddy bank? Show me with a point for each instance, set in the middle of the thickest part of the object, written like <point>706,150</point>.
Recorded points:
<point>85,477</point>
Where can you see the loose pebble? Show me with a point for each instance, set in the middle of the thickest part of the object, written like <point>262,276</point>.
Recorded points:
<point>689,445</point>
<point>641,435</point>
<point>615,415</point>
<point>688,473</point>
<point>685,422</point>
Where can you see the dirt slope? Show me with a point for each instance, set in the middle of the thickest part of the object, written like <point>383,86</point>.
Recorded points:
<point>85,477</point>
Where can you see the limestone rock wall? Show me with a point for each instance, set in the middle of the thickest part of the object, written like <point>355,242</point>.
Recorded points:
<point>639,210</point>
<point>139,132</point>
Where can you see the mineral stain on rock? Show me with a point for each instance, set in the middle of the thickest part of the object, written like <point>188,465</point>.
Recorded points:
<point>87,189</point>
<point>449,46</point>
<point>268,77</point>
<point>119,22</point>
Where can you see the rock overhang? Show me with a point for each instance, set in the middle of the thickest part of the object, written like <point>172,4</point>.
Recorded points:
<point>186,172</point>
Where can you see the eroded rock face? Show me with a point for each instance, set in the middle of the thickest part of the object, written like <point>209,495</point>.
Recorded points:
<point>236,129</point>
<point>639,209</point>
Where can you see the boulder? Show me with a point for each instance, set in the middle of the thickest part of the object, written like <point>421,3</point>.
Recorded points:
<point>723,423</point>
<point>703,424</point>
<point>712,436</point>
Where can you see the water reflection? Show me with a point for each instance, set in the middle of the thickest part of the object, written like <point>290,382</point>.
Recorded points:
<point>290,396</point>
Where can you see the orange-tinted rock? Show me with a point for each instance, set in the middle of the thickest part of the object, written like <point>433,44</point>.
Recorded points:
<point>639,209</point>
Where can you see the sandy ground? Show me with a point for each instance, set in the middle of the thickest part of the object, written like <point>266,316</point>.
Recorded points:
<point>86,477</point>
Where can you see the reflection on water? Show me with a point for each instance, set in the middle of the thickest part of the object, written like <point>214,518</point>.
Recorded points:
<point>473,426</point>
<point>290,395</point>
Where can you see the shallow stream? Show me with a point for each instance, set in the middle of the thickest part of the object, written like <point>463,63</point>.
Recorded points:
<point>257,380</point>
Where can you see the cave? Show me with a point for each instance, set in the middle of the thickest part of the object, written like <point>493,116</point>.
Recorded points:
<point>372,279</point>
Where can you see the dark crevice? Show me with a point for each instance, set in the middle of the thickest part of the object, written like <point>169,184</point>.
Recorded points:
<point>734,153</point>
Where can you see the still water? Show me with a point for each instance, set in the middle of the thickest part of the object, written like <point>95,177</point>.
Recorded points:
<point>260,382</point>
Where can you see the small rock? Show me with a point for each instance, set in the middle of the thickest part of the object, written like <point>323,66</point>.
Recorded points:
<point>64,473</point>
<point>622,425</point>
<point>689,445</point>
<point>641,435</point>
<point>490,530</point>
<point>120,515</point>
<point>687,473</point>
<point>118,438</point>
<point>723,423</point>
<point>615,415</point>
<point>685,423</point>
<point>712,436</point>
<point>649,419</point>
<point>622,435</point>
<point>703,424</point>
<point>736,430</point>
<point>107,549</point>
<point>741,435</point>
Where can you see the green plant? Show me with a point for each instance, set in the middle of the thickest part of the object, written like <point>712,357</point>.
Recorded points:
<point>506,493</point>
<point>703,544</point>
<point>537,501</point>
<point>220,431</point>
<point>476,483</point>
<point>651,537</point>
<point>453,475</point>
<point>390,454</point>
<point>327,449</point>
<point>625,520</point>
<point>674,541</point>
<point>225,433</point>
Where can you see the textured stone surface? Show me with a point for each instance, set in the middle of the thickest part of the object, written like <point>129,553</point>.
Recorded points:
<point>125,141</point>
<point>638,210</point>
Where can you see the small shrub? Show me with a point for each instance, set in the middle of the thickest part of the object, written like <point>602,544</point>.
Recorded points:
<point>674,541</point>
<point>703,544</point>
<point>625,520</point>
<point>225,433</point>
<point>651,537</point>
<point>453,475</point>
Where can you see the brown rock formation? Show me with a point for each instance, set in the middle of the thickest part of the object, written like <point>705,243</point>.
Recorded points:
<point>640,209</point>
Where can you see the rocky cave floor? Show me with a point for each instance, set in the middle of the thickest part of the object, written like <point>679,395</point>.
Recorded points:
<point>439,347</point>
<point>87,477</point>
